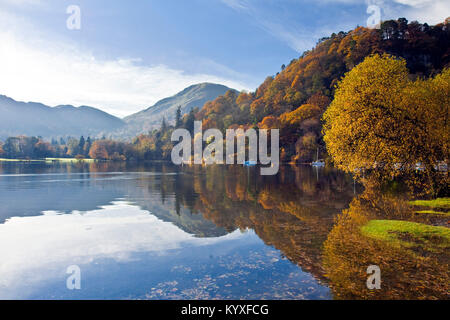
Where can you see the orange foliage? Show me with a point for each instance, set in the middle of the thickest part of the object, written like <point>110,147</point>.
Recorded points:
<point>98,151</point>
<point>269,122</point>
<point>320,100</point>
<point>300,114</point>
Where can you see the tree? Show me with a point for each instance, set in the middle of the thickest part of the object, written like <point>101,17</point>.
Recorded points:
<point>43,149</point>
<point>20,147</point>
<point>178,118</point>
<point>380,118</point>
<point>81,144</point>
<point>361,126</point>
<point>189,121</point>
<point>73,147</point>
<point>87,146</point>
<point>164,125</point>
<point>269,122</point>
<point>98,151</point>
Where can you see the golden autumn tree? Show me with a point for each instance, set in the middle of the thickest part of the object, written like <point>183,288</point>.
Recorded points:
<point>379,118</point>
<point>300,114</point>
<point>98,151</point>
<point>428,105</point>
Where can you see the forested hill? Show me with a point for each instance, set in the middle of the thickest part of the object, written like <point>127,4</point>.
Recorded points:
<point>151,118</point>
<point>295,99</point>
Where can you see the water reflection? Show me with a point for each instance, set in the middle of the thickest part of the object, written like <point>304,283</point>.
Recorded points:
<point>412,267</point>
<point>116,231</point>
<point>154,231</point>
<point>157,231</point>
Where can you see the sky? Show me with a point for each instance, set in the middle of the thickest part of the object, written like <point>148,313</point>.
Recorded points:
<point>127,55</point>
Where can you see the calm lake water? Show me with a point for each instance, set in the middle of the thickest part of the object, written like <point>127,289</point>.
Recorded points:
<point>158,231</point>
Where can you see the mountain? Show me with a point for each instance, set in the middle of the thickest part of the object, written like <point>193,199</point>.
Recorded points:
<point>151,118</point>
<point>36,119</point>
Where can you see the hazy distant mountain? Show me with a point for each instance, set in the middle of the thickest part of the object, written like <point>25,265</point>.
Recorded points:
<point>193,96</point>
<point>36,119</point>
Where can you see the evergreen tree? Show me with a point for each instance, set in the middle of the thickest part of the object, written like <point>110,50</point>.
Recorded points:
<point>81,143</point>
<point>164,125</point>
<point>87,146</point>
<point>178,118</point>
<point>189,122</point>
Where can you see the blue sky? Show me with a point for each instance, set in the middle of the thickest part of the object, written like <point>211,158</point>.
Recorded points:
<point>129,54</point>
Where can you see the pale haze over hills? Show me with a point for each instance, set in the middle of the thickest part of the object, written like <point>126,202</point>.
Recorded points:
<point>36,119</point>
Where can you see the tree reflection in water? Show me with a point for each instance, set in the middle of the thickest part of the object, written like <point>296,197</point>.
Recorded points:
<point>314,218</point>
<point>410,268</point>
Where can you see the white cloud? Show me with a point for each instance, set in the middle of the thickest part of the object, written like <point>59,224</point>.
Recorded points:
<point>59,72</point>
<point>21,2</point>
<point>41,247</point>
<point>424,11</point>
<point>429,11</point>
<point>416,3</point>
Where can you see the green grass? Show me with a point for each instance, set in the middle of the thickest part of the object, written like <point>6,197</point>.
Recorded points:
<point>441,213</point>
<point>408,234</point>
<point>47,160</point>
<point>435,203</point>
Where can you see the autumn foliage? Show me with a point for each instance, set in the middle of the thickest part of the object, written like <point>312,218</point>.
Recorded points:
<point>380,119</point>
<point>109,150</point>
<point>312,79</point>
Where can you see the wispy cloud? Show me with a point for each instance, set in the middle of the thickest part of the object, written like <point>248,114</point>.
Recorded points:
<point>40,244</point>
<point>430,11</point>
<point>274,23</point>
<point>237,4</point>
<point>37,68</point>
<point>424,11</point>
<point>297,31</point>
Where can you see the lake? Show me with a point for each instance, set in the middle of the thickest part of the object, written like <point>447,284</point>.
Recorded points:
<point>158,231</point>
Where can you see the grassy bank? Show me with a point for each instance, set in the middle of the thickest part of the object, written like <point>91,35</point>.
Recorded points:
<point>19,160</point>
<point>48,160</point>
<point>409,234</point>
<point>443,203</point>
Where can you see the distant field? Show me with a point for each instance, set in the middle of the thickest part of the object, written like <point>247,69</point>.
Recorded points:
<point>68,160</point>
<point>48,160</point>
<point>19,160</point>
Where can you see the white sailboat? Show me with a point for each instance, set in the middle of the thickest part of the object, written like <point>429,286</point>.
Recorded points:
<point>318,162</point>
